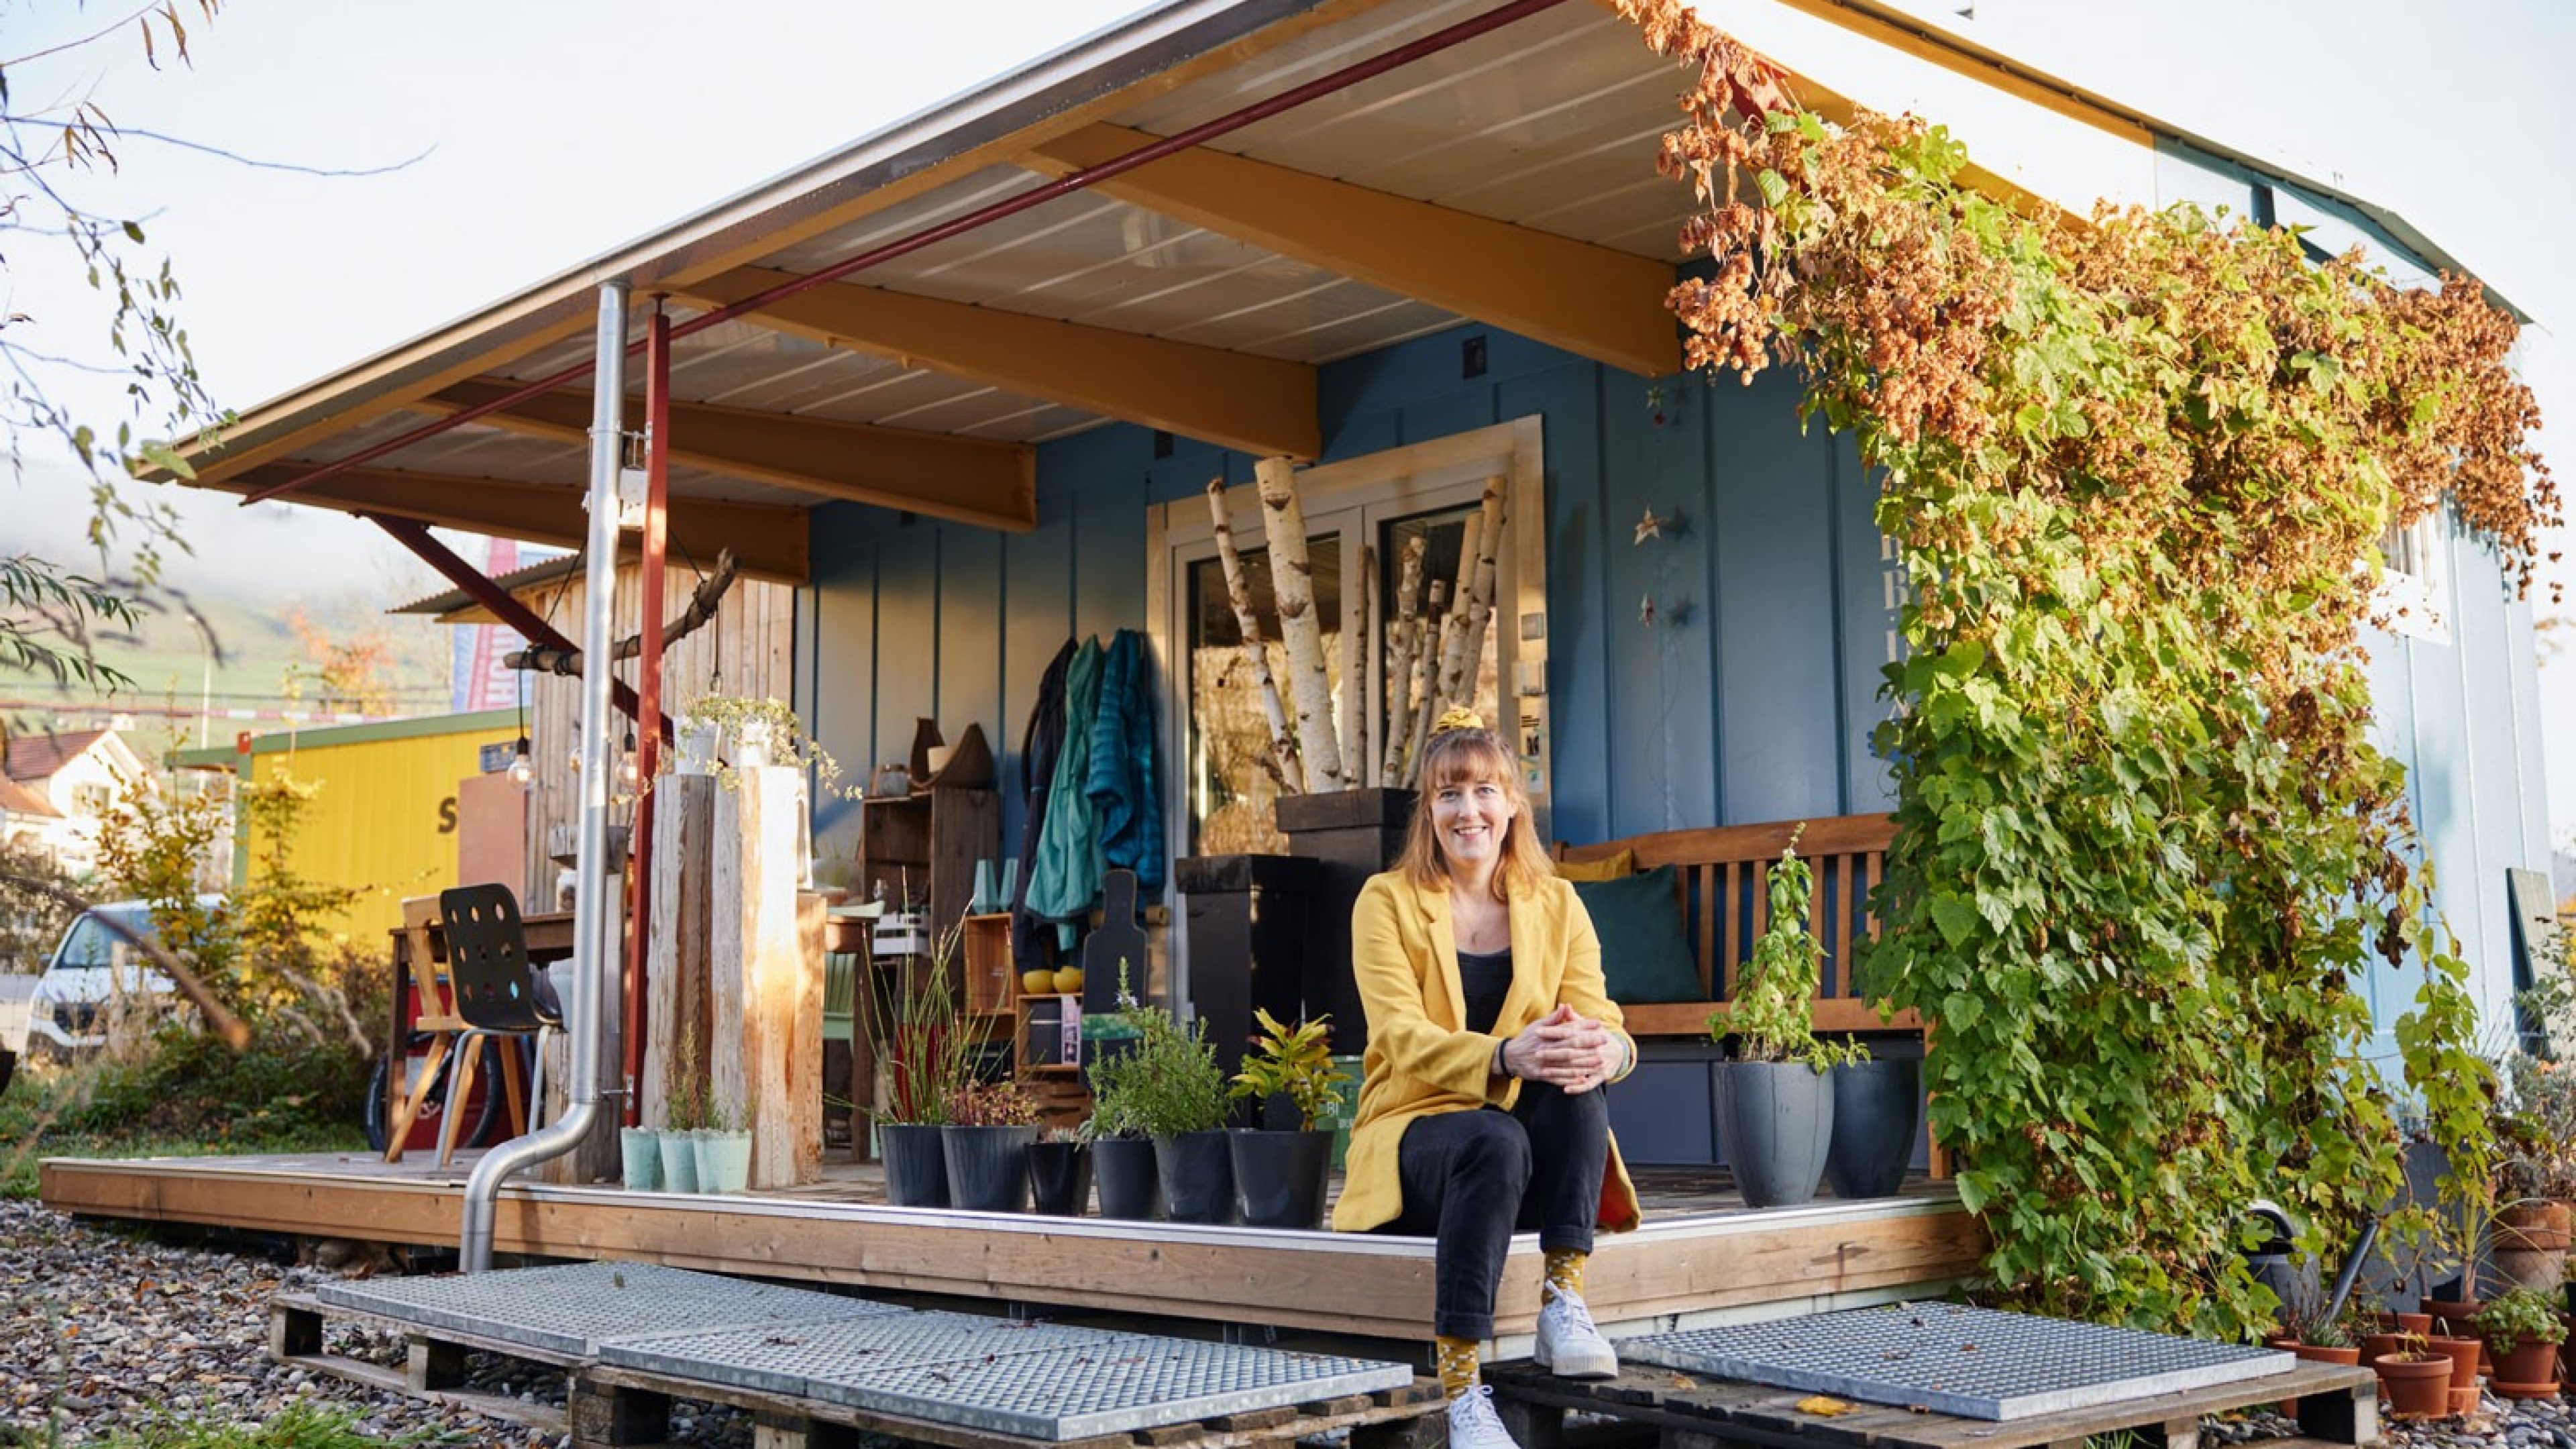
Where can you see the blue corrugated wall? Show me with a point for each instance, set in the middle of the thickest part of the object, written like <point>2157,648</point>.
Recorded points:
<point>1751,696</point>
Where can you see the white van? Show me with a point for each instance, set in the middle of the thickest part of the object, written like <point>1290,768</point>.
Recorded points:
<point>92,970</point>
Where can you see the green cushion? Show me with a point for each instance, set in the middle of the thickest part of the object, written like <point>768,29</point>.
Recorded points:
<point>1644,953</point>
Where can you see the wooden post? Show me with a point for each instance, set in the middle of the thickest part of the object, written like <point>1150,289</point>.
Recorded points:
<point>681,939</point>
<point>764,1056</point>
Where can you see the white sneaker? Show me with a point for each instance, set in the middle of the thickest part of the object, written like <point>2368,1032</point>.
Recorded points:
<point>1569,1345</point>
<point>1473,1424</point>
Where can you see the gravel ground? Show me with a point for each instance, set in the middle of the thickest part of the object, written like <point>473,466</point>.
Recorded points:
<point>114,1331</point>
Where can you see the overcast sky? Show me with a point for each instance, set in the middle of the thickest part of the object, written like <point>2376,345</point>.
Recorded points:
<point>547,133</point>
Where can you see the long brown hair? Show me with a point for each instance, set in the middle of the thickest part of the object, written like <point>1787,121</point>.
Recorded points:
<point>1473,756</point>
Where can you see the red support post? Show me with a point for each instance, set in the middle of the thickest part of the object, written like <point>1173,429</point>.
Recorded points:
<point>648,685</point>
<point>413,534</point>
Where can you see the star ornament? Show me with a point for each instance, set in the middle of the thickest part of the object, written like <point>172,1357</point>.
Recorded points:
<point>1651,527</point>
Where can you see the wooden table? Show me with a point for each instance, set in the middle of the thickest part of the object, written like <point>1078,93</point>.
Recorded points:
<point>420,956</point>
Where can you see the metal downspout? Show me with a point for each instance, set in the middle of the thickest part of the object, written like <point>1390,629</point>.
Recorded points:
<point>595,909</point>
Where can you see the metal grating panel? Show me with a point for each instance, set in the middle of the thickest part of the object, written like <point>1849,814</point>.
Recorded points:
<point>1070,1393</point>
<point>569,1309</point>
<point>790,1358</point>
<point>1975,1362</point>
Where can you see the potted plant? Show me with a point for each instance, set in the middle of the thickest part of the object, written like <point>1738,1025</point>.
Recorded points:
<point>1878,1111</point>
<point>1060,1171</point>
<point>1279,1176</point>
<point>2522,1331</point>
<point>1774,1097</point>
<point>639,1154</point>
<point>1177,1095</point>
<point>723,1150</point>
<point>1122,1153</point>
<point>986,1140</point>
<point>684,1116</point>
<point>2415,1379</point>
<point>917,1021</point>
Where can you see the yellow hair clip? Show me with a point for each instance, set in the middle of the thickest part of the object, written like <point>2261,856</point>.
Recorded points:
<point>1457,717</point>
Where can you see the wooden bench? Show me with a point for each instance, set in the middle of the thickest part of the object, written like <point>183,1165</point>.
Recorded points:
<point>1724,876</point>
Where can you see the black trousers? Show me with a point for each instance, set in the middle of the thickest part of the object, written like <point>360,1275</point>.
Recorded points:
<point>1472,1179</point>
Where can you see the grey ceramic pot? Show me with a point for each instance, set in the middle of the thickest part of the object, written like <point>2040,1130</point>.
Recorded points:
<point>1197,1170</point>
<point>916,1167</point>
<point>1775,1122</point>
<point>1878,1106</point>
<point>988,1167</point>
<point>1279,1177</point>
<point>1123,1169</point>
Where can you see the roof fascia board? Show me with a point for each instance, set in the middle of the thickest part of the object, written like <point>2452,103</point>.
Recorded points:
<point>1157,46</point>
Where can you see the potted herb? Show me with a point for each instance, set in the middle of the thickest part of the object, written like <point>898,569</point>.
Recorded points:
<point>1774,1098</point>
<point>986,1140</point>
<point>1122,1156</point>
<point>723,1149</point>
<point>1174,1091</point>
<point>684,1115</point>
<point>1279,1176</point>
<point>2522,1331</point>
<point>917,1021</point>
<point>1060,1171</point>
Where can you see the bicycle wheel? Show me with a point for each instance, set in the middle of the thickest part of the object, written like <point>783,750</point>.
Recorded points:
<point>486,1111</point>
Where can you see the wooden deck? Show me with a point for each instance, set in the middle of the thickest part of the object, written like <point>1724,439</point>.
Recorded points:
<point>1701,1257</point>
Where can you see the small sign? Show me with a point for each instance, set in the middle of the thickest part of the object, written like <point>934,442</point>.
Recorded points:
<point>494,758</point>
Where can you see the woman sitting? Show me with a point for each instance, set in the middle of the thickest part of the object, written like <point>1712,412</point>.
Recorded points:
<point>1490,1036</point>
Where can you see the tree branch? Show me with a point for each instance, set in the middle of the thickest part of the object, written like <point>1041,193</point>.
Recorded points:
<point>545,659</point>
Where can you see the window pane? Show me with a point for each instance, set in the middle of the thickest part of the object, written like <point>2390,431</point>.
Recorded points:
<point>1233,787</point>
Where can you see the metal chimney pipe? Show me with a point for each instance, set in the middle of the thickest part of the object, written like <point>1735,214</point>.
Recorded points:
<point>595,909</point>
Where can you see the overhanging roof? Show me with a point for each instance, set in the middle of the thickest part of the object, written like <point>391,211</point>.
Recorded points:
<point>1508,180</point>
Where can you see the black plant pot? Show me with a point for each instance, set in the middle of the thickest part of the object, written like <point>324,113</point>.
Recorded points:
<point>1279,1177</point>
<point>988,1167</point>
<point>1197,1172</point>
<point>1060,1177</point>
<point>1877,1107</point>
<point>916,1166</point>
<point>1775,1121</point>
<point>1130,1187</point>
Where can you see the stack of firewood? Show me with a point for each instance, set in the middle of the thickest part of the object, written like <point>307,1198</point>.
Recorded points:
<point>1431,649</point>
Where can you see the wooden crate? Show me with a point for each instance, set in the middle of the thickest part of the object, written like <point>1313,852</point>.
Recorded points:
<point>991,984</point>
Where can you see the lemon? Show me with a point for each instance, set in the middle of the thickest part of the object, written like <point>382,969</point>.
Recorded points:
<point>1037,983</point>
<point>1069,980</point>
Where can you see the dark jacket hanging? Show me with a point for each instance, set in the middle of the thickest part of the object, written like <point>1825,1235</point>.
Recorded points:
<point>1038,746</point>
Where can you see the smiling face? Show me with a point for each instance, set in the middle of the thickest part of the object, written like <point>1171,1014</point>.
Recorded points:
<point>1469,817</point>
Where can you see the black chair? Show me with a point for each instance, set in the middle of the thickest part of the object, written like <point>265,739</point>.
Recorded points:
<point>497,993</point>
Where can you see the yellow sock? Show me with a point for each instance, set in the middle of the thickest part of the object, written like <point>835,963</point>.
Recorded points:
<point>1564,1274</point>
<point>1456,1360</point>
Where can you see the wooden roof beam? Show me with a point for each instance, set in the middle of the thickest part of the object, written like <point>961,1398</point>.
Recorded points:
<point>769,542</point>
<point>1257,404</point>
<point>968,480</point>
<point>1589,300</point>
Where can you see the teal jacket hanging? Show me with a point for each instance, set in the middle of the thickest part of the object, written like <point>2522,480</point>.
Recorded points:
<point>1124,803</point>
<point>1064,880</point>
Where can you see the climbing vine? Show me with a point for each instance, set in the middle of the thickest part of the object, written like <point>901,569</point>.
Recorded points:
<point>2137,467</point>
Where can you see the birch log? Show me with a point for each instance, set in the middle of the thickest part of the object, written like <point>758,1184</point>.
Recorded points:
<point>765,977</point>
<point>1399,666</point>
<point>1292,584</point>
<point>1426,677</point>
<point>1472,553</point>
<point>1480,602</point>
<point>1256,655</point>
<point>1362,754</point>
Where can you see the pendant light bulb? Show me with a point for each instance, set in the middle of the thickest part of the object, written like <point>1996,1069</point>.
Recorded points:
<point>523,770</point>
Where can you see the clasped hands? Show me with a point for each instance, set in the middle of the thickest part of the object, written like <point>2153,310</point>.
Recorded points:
<point>1571,1052</point>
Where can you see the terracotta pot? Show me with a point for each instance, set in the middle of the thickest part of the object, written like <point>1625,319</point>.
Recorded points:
<point>2452,1315</point>
<point>2527,1364</point>
<point>2536,1227</point>
<point>2376,1346</point>
<point>2540,1269</point>
<point>2416,1384</point>
<point>2464,1401</point>
<point>2403,1322</point>
<point>2464,1354</point>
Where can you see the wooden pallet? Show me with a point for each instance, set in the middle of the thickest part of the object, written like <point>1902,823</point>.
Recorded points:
<point>433,1366</point>
<point>2337,1405</point>
<point>626,1407</point>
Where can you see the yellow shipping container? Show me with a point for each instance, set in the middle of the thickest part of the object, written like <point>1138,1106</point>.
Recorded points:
<point>382,818</point>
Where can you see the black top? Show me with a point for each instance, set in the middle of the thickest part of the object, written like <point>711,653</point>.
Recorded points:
<point>1485,977</point>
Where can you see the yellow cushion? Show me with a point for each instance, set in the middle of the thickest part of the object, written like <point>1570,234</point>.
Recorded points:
<point>1609,867</point>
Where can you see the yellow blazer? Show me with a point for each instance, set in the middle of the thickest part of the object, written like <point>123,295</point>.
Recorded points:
<point>1421,1061</point>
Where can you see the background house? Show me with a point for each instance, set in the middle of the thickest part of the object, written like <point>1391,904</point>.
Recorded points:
<point>76,775</point>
